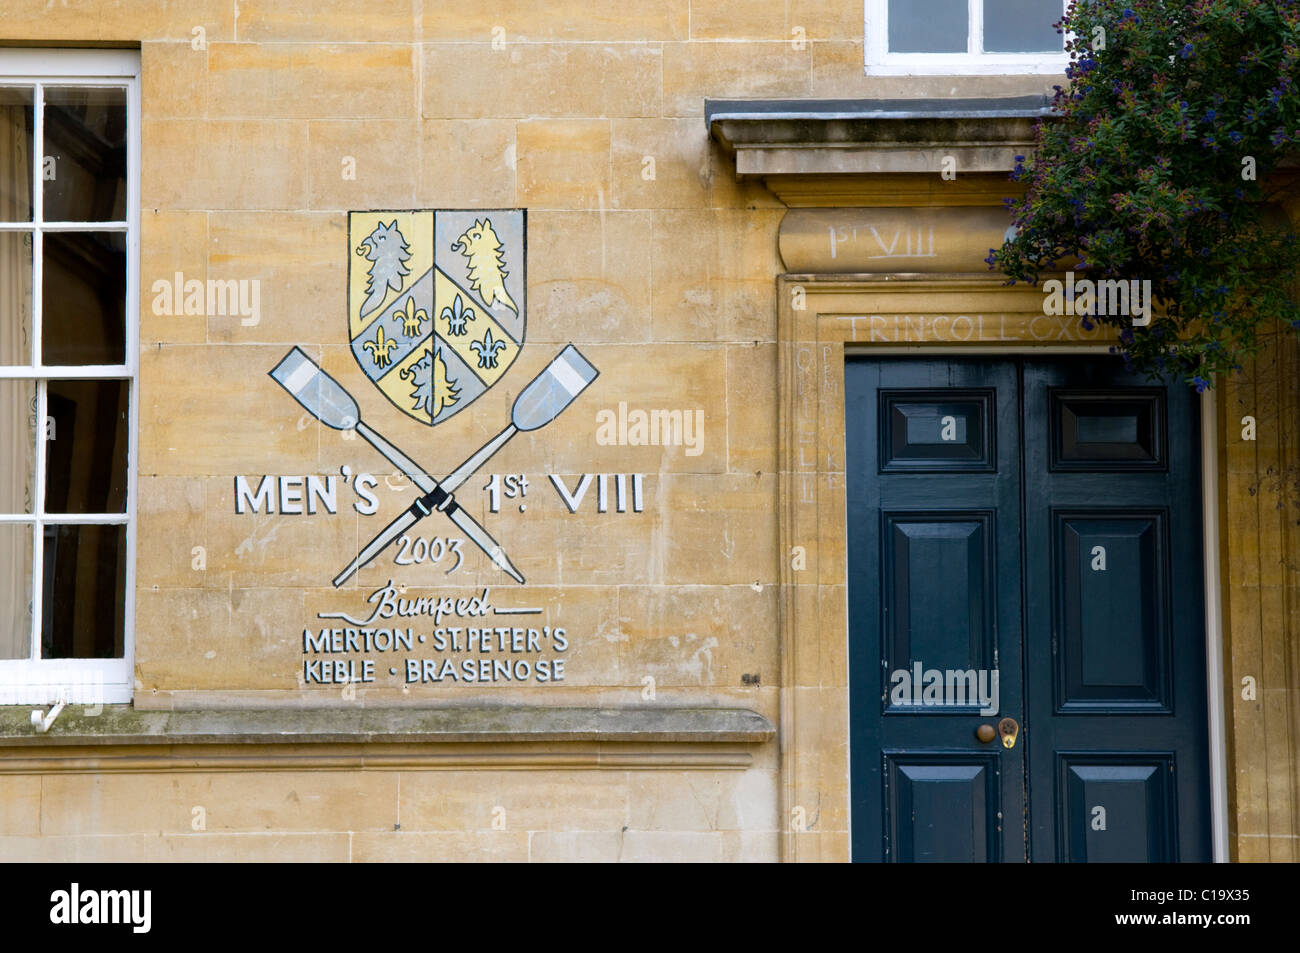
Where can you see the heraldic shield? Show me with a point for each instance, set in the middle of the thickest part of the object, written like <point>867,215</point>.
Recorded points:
<point>436,303</point>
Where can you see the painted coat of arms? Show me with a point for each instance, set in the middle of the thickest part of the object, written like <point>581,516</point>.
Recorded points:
<point>436,303</point>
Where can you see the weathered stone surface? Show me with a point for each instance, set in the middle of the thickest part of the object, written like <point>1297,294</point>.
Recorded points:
<point>191,847</point>
<point>190,167</point>
<point>522,21</point>
<point>693,71</point>
<point>20,806</point>
<point>563,163</point>
<point>560,80</point>
<point>311,81</point>
<point>123,725</point>
<point>123,21</point>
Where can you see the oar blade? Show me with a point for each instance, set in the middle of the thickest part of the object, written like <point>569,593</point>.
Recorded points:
<point>553,390</point>
<point>323,396</point>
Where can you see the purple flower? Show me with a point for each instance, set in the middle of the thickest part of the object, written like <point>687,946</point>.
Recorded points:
<point>1201,384</point>
<point>1186,51</point>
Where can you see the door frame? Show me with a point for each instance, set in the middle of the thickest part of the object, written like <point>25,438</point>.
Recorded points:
<point>821,318</point>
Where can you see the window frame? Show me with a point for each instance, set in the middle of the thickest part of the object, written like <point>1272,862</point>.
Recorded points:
<point>879,61</point>
<point>91,681</point>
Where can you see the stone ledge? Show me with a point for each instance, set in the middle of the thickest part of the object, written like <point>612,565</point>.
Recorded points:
<point>123,725</point>
<point>779,138</point>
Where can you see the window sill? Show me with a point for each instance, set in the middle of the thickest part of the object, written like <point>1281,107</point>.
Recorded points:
<point>123,739</point>
<point>969,67</point>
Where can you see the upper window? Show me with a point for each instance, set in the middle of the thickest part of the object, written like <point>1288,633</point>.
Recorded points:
<point>69,200</point>
<point>964,36</point>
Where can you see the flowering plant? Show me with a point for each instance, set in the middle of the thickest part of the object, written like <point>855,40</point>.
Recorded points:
<point>1153,167</point>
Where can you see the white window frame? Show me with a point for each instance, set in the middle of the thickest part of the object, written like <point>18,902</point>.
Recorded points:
<point>79,681</point>
<point>878,61</point>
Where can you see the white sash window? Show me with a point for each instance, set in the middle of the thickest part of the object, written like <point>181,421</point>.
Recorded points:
<point>69,301</point>
<point>963,37</point>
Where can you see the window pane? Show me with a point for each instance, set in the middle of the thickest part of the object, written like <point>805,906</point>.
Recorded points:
<point>15,590</point>
<point>15,154</point>
<point>15,297</point>
<point>85,585</point>
<point>85,153</point>
<point>86,446</point>
<point>83,298</point>
<point>1022,26</point>
<point>928,26</point>
<point>17,446</point>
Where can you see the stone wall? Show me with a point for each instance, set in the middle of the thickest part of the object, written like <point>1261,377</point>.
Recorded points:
<point>264,123</point>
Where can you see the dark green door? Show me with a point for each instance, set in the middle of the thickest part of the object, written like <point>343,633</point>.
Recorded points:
<point>1025,557</point>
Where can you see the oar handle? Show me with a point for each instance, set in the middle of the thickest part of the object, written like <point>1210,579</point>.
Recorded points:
<point>377,545</point>
<point>422,507</point>
<point>397,458</point>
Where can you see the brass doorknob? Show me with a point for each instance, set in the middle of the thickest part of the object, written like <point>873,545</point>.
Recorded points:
<point>986,733</point>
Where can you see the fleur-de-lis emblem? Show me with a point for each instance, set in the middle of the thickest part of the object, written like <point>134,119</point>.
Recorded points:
<point>487,349</point>
<point>411,318</point>
<point>456,314</point>
<point>380,348</point>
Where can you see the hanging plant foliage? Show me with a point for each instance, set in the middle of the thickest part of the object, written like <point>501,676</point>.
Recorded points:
<point>1156,167</point>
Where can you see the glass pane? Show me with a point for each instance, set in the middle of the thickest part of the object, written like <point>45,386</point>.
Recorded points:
<point>85,154</point>
<point>17,446</point>
<point>15,154</point>
<point>83,298</point>
<point>928,26</point>
<point>1022,26</point>
<point>15,590</point>
<point>15,297</point>
<point>85,586</point>
<point>85,448</point>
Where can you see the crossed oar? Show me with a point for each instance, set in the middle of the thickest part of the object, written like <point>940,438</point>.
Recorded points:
<point>545,397</point>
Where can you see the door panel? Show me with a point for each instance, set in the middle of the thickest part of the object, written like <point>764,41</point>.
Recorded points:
<point>1116,809</point>
<point>938,590</point>
<point>1111,589</point>
<point>1127,643</point>
<point>1035,523</point>
<point>935,528</point>
<point>1101,430</point>
<point>937,431</point>
<point>943,808</point>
